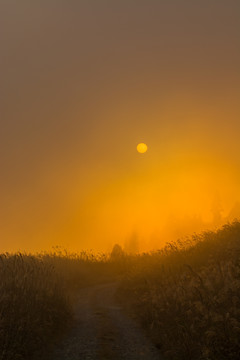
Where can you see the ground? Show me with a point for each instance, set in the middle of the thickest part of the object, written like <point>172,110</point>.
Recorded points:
<point>103,331</point>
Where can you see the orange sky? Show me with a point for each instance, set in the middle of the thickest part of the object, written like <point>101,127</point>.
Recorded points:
<point>82,83</point>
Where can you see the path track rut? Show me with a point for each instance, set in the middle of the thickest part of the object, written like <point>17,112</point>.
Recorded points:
<point>103,331</point>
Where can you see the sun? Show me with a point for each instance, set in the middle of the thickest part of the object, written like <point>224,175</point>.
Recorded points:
<point>142,148</point>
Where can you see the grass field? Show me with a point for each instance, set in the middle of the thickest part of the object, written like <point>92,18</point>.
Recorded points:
<point>36,294</point>
<point>186,295</point>
<point>33,306</point>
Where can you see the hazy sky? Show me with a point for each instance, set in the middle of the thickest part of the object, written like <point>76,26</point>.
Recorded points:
<point>82,83</point>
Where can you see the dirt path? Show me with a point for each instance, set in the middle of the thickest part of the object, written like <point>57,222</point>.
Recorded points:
<point>103,331</point>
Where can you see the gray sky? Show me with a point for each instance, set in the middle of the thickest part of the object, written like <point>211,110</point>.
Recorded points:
<point>82,82</point>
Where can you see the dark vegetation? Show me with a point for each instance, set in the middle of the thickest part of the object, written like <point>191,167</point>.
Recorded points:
<point>186,295</point>
<point>33,306</point>
<point>36,294</point>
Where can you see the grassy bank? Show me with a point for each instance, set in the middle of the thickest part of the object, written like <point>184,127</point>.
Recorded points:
<point>187,295</point>
<point>33,306</point>
<point>36,293</point>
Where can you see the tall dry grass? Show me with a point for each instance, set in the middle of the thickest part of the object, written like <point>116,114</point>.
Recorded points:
<point>36,293</point>
<point>33,306</point>
<point>85,268</point>
<point>188,295</point>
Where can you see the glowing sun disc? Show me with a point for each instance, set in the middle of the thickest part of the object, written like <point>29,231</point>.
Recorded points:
<point>142,148</point>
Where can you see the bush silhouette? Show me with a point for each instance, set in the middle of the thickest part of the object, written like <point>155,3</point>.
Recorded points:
<point>117,252</point>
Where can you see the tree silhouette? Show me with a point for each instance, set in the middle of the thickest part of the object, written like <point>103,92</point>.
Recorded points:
<point>117,252</point>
